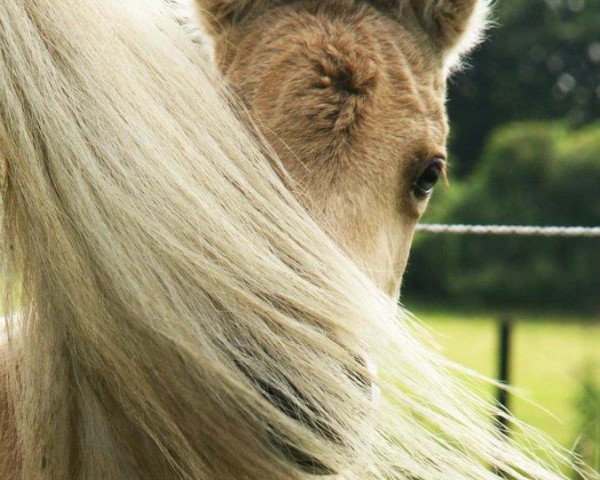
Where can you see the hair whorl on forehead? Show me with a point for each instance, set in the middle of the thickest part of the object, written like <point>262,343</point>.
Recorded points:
<point>345,78</point>
<point>181,317</point>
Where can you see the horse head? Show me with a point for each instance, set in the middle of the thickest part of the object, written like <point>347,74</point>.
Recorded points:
<point>351,94</point>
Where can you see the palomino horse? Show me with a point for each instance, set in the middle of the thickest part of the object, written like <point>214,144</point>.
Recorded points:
<point>180,314</point>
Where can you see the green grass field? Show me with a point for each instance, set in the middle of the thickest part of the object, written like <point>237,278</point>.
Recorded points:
<point>549,355</point>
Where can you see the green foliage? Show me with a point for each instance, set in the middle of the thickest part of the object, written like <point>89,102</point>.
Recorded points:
<point>538,73</point>
<point>530,174</point>
<point>541,61</point>
<point>588,409</point>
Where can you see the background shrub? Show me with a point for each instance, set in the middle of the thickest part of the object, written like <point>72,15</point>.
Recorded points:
<point>529,174</point>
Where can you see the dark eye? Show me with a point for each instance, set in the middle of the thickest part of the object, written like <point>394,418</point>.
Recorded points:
<point>425,182</point>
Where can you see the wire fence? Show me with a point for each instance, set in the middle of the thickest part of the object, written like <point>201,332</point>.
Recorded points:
<point>517,230</point>
<point>506,324</point>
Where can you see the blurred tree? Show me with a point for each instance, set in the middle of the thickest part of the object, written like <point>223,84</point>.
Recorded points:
<point>530,174</point>
<point>542,61</point>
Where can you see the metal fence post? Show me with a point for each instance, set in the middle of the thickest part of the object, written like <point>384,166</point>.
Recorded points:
<point>504,371</point>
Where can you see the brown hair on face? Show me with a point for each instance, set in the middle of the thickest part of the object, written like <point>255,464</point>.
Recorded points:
<point>351,95</point>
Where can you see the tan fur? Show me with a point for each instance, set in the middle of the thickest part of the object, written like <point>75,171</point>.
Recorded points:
<point>168,282</point>
<point>351,96</point>
<point>345,77</point>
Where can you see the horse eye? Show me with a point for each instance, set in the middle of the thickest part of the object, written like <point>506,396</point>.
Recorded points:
<point>425,182</point>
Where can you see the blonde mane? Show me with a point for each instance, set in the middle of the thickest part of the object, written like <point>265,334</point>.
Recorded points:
<point>167,283</point>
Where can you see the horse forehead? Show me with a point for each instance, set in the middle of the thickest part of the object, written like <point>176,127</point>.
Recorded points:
<point>416,97</point>
<point>410,69</point>
<point>299,46</point>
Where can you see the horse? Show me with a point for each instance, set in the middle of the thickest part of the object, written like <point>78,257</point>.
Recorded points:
<point>199,268</point>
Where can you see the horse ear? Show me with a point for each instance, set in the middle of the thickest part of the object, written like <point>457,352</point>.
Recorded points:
<point>218,15</point>
<point>456,26</point>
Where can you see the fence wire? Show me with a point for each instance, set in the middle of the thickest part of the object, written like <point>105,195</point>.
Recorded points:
<point>517,230</point>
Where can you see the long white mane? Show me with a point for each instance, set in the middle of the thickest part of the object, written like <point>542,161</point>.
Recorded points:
<point>182,316</point>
